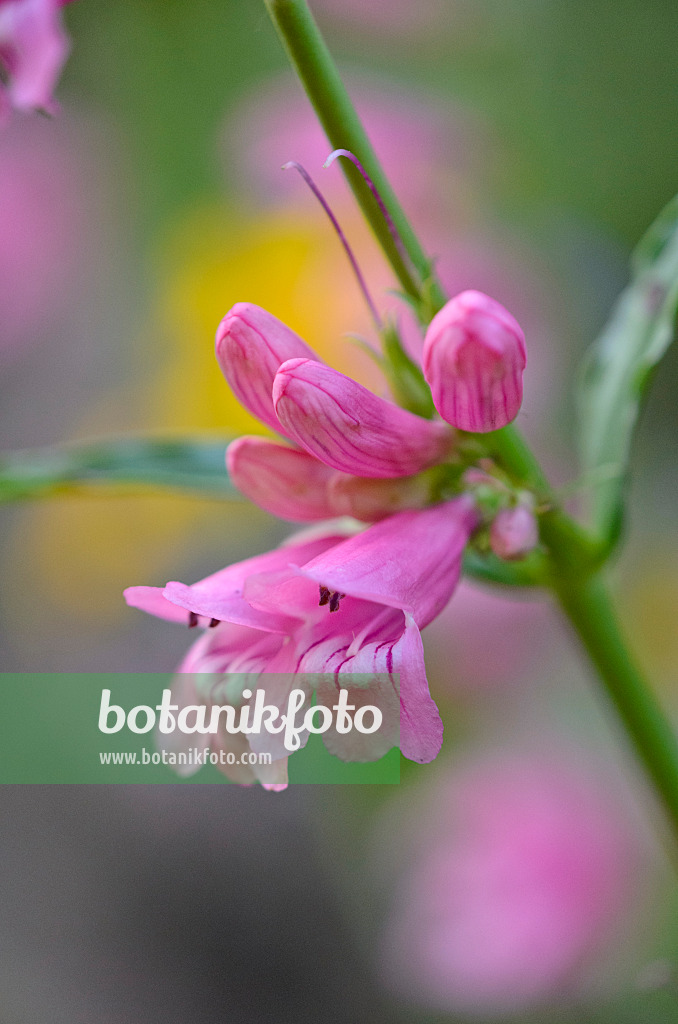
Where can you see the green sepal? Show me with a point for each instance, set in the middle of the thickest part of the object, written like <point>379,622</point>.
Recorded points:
<point>405,377</point>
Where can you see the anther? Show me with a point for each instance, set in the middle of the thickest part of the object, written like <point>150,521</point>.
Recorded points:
<point>324,596</point>
<point>192,620</point>
<point>334,601</point>
<point>214,622</point>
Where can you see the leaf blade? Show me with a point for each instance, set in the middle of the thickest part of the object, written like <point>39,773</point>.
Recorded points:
<point>617,369</point>
<point>180,464</point>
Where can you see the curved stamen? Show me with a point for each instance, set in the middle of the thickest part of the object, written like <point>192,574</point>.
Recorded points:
<point>342,238</point>
<point>395,234</point>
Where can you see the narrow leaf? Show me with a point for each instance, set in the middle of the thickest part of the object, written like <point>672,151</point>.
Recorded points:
<point>131,463</point>
<point>617,368</point>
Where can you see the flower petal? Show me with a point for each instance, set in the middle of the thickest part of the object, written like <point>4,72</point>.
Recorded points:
<point>410,561</point>
<point>220,596</point>
<point>349,428</point>
<point>421,727</point>
<point>251,345</point>
<point>284,481</point>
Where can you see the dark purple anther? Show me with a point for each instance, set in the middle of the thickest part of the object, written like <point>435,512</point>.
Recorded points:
<point>192,620</point>
<point>335,598</point>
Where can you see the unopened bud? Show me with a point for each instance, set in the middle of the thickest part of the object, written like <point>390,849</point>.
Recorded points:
<point>514,532</point>
<point>473,358</point>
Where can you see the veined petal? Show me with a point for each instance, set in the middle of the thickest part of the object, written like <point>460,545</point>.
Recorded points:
<point>251,345</point>
<point>349,428</point>
<point>390,665</point>
<point>409,561</point>
<point>220,596</point>
<point>421,727</point>
<point>286,482</point>
<point>153,601</point>
<point>473,358</point>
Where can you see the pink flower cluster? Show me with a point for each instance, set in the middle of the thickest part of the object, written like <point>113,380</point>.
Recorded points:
<point>346,600</point>
<point>33,48</point>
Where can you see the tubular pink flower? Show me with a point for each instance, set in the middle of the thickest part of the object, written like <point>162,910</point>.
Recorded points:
<point>473,358</point>
<point>370,500</point>
<point>33,48</point>
<point>285,481</point>
<point>382,586</point>
<point>198,682</point>
<point>514,532</point>
<point>349,428</point>
<point>251,345</point>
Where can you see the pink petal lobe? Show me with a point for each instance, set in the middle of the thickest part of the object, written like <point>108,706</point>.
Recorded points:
<point>251,345</point>
<point>421,727</point>
<point>351,429</point>
<point>410,561</point>
<point>286,482</point>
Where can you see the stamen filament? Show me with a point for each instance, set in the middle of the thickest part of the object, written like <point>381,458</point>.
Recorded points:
<point>342,238</point>
<point>390,224</point>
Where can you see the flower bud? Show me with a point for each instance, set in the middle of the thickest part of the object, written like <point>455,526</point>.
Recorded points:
<point>473,358</point>
<point>514,532</point>
<point>349,428</point>
<point>251,345</point>
<point>284,481</point>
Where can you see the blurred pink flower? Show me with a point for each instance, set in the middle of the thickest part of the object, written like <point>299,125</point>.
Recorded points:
<point>394,17</point>
<point>425,148</point>
<point>521,869</point>
<point>41,225</point>
<point>33,48</point>
<point>490,640</point>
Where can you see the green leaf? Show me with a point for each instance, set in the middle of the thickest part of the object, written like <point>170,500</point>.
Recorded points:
<point>618,367</point>
<point>131,463</point>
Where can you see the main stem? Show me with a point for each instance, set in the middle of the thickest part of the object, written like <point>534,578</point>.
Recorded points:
<point>574,556</point>
<point>588,607</point>
<point>318,74</point>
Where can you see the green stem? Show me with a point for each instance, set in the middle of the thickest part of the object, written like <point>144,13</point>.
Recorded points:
<point>318,74</point>
<point>588,607</point>
<point>573,555</point>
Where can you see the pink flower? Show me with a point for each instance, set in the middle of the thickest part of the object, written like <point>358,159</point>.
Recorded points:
<point>522,868</point>
<point>33,48</point>
<point>329,416</point>
<point>473,359</point>
<point>341,606</point>
<point>514,532</point>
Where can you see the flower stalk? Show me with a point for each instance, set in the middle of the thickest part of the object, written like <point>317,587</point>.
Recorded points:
<point>318,74</point>
<point>574,556</point>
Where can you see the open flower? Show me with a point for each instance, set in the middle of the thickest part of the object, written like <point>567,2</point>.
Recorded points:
<point>33,48</point>
<point>332,605</point>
